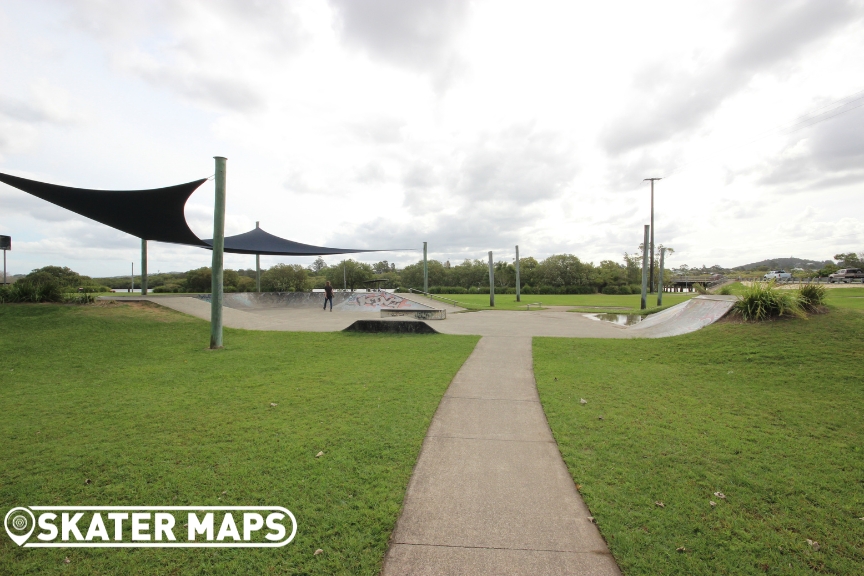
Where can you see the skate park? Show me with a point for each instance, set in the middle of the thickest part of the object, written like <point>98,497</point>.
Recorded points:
<point>492,489</point>
<point>302,312</point>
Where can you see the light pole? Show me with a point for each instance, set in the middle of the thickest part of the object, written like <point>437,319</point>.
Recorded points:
<point>651,269</point>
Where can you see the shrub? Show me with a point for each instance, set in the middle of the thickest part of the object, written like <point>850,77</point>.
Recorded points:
<point>447,290</point>
<point>527,289</point>
<point>626,290</point>
<point>763,301</point>
<point>725,290</point>
<point>609,289</point>
<point>168,289</point>
<point>635,288</point>
<point>811,296</point>
<point>82,298</point>
<point>28,291</point>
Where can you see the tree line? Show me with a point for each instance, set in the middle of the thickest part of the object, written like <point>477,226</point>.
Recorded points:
<point>559,273</point>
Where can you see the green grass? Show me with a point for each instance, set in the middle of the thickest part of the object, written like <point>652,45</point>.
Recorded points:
<point>129,397</point>
<point>768,414</point>
<point>508,301</point>
<point>846,297</point>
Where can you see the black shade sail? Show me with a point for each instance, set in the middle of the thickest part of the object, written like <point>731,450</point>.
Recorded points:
<point>257,241</point>
<point>155,214</point>
<point>158,214</point>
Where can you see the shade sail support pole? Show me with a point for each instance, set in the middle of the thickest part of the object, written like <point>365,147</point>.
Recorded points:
<point>257,266</point>
<point>218,249</point>
<point>143,267</point>
<point>491,281</point>
<point>425,270</point>
<point>518,282</point>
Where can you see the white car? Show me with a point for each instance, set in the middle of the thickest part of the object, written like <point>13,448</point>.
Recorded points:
<point>777,275</point>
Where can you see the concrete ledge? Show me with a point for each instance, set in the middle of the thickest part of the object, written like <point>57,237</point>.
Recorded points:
<point>419,314</point>
<point>393,326</point>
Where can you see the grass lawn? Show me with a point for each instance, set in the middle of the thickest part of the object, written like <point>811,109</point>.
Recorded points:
<point>846,297</point>
<point>508,301</point>
<point>768,414</point>
<point>128,396</point>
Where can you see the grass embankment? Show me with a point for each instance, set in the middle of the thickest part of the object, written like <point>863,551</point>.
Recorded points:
<point>627,303</point>
<point>768,414</point>
<point>128,397</point>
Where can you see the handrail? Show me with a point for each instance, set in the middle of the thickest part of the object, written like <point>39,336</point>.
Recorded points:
<point>433,296</point>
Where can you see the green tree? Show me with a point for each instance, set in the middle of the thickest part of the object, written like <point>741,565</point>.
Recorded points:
<point>412,275</point>
<point>318,265</point>
<point>848,260</point>
<point>285,278</point>
<point>469,273</point>
<point>528,271</point>
<point>381,267</point>
<point>65,277</point>
<point>353,273</point>
<point>505,274</point>
<point>610,273</point>
<point>565,270</point>
<point>199,280</point>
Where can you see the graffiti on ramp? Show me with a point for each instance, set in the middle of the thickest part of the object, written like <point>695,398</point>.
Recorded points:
<point>375,301</point>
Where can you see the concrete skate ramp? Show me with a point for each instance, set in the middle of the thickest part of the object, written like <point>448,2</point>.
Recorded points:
<point>686,317</point>
<point>342,301</point>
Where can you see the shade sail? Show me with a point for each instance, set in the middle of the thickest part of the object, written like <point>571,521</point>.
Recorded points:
<point>155,214</point>
<point>257,241</point>
<point>158,214</point>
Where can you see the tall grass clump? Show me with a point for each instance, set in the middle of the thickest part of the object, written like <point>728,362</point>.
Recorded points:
<point>811,296</point>
<point>764,301</point>
<point>725,290</point>
<point>26,291</point>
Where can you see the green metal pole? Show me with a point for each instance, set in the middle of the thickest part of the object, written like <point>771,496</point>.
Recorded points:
<point>491,281</point>
<point>218,249</point>
<point>257,266</point>
<point>645,249</point>
<point>143,267</point>
<point>660,279</point>
<point>518,283</point>
<point>425,270</point>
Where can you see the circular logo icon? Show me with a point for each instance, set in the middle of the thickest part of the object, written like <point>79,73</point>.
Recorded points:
<point>20,524</point>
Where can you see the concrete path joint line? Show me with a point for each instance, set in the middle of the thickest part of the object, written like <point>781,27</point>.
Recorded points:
<point>486,439</point>
<point>493,548</point>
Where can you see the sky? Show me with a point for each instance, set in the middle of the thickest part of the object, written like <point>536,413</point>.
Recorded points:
<point>471,125</point>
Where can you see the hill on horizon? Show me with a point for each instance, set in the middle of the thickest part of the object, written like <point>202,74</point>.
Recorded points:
<point>785,264</point>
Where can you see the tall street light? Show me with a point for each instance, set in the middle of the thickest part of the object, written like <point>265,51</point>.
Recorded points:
<point>651,279</point>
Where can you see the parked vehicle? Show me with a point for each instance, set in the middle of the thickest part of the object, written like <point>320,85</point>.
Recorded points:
<point>777,275</point>
<point>846,275</point>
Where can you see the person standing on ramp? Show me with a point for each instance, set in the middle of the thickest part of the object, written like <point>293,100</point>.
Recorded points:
<point>328,295</point>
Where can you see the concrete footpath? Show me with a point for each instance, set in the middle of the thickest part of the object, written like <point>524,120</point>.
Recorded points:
<point>490,493</point>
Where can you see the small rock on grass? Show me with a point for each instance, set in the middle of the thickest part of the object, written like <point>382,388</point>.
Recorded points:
<point>660,504</point>
<point>66,560</point>
<point>318,551</point>
<point>814,545</point>
<point>681,549</point>
<point>712,503</point>
<point>273,404</point>
<point>583,401</point>
<point>720,495</point>
<point>319,454</point>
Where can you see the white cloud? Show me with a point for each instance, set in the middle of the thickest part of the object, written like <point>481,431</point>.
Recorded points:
<point>473,126</point>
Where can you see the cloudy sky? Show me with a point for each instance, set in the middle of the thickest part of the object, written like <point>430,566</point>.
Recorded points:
<point>473,125</point>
